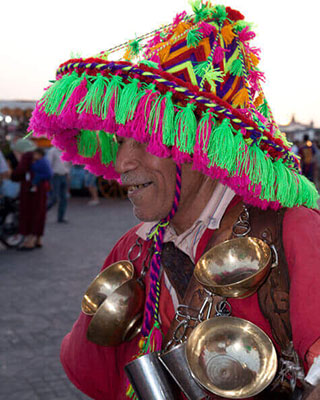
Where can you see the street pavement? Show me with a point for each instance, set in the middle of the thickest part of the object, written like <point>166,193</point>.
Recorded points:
<point>41,292</point>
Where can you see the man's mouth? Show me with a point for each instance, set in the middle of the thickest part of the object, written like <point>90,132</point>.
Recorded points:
<point>134,188</point>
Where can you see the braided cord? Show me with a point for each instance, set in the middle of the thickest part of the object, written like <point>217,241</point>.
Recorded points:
<point>157,234</point>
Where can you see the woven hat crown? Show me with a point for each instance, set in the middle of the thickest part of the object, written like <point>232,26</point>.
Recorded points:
<point>190,90</point>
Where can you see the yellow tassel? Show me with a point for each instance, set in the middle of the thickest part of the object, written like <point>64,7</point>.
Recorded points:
<point>128,54</point>
<point>259,100</point>
<point>241,98</point>
<point>227,34</point>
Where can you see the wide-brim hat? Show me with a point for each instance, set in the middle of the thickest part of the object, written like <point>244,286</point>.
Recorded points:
<point>190,90</point>
<point>23,146</point>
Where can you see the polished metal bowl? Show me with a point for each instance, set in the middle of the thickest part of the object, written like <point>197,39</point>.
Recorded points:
<point>235,268</point>
<point>106,283</point>
<point>231,357</point>
<point>119,317</point>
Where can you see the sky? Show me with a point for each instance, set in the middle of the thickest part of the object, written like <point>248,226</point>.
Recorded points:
<point>39,35</point>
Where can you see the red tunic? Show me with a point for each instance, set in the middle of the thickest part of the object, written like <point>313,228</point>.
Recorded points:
<point>99,371</point>
<point>33,205</point>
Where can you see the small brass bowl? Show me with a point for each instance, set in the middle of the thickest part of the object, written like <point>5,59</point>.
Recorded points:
<point>119,317</point>
<point>231,357</point>
<point>234,268</point>
<point>104,284</point>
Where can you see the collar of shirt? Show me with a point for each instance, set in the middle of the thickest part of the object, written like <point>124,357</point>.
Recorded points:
<point>210,218</point>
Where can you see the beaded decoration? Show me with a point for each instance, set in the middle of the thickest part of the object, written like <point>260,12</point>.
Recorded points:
<point>192,91</point>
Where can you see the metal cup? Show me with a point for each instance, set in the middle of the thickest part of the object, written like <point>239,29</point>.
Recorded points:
<point>149,379</point>
<point>176,364</point>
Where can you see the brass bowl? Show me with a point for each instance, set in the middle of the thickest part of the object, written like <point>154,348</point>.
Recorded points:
<point>119,317</point>
<point>234,268</point>
<point>231,357</point>
<point>106,283</point>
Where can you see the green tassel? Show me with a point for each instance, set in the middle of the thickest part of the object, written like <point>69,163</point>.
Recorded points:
<point>77,82</point>
<point>268,185</point>
<point>258,166</point>
<point>236,68</point>
<point>94,97</point>
<point>186,128</point>
<point>287,191</point>
<point>53,97</point>
<point>200,68</point>
<point>263,108</point>
<point>149,63</point>
<point>240,25</point>
<point>108,147</point>
<point>168,131</point>
<point>221,149</point>
<point>87,143</point>
<point>200,10</point>
<point>193,38</point>
<point>308,193</point>
<point>114,88</point>
<point>219,13</point>
<point>203,128</point>
<point>242,155</point>
<point>129,100</point>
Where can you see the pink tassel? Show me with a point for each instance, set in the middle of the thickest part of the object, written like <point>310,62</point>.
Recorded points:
<point>218,55</point>
<point>246,35</point>
<point>69,115</point>
<point>206,29</point>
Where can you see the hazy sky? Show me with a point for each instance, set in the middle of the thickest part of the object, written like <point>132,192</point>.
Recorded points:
<point>36,36</point>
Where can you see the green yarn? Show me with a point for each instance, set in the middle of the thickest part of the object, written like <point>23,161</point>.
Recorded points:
<point>130,97</point>
<point>200,68</point>
<point>168,131</point>
<point>203,128</point>
<point>219,13</point>
<point>186,128</point>
<point>236,68</point>
<point>108,147</point>
<point>201,11</point>
<point>264,109</point>
<point>308,193</point>
<point>242,155</point>
<point>240,25</point>
<point>149,63</point>
<point>55,94</point>
<point>287,190</point>
<point>87,143</point>
<point>113,89</point>
<point>94,97</point>
<point>258,165</point>
<point>193,38</point>
<point>268,185</point>
<point>221,149</point>
<point>135,46</point>
<point>77,82</point>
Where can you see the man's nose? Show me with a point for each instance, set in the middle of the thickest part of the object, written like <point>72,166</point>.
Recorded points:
<point>127,156</point>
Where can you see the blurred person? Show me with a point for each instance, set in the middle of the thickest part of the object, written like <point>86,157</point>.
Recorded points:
<point>59,183</point>
<point>90,182</point>
<point>307,153</point>
<point>40,168</point>
<point>295,147</point>
<point>4,169</point>
<point>33,205</point>
<point>186,127</point>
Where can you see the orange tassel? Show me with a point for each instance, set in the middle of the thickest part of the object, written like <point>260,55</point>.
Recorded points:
<point>164,53</point>
<point>181,27</point>
<point>254,59</point>
<point>227,34</point>
<point>259,100</point>
<point>241,98</point>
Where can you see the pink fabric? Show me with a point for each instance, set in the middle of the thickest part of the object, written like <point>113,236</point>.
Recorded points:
<point>98,371</point>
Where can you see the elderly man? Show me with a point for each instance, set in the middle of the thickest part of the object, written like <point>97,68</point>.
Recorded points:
<point>187,129</point>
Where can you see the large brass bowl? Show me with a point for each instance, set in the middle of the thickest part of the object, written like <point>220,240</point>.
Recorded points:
<point>104,284</point>
<point>119,317</point>
<point>234,268</point>
<point>231,357</point>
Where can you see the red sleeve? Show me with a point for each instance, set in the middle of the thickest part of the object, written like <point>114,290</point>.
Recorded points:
<point>96,370</point>
<point>301,240</point>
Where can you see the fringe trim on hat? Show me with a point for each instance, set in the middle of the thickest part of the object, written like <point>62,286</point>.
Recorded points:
<point>254,166</point>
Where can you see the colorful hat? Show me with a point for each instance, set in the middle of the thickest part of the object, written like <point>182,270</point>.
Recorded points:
<point>190,90</point>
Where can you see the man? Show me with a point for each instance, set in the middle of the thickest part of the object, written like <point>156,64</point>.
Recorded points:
<point>189,133</point>
<point>59,189</point>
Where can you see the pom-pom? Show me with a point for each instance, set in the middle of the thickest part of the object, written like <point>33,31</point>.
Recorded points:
<point>194,37</point>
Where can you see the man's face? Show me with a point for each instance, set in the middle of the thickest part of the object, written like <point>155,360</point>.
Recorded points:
<point>150,180</point>
<point>151,183</point>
